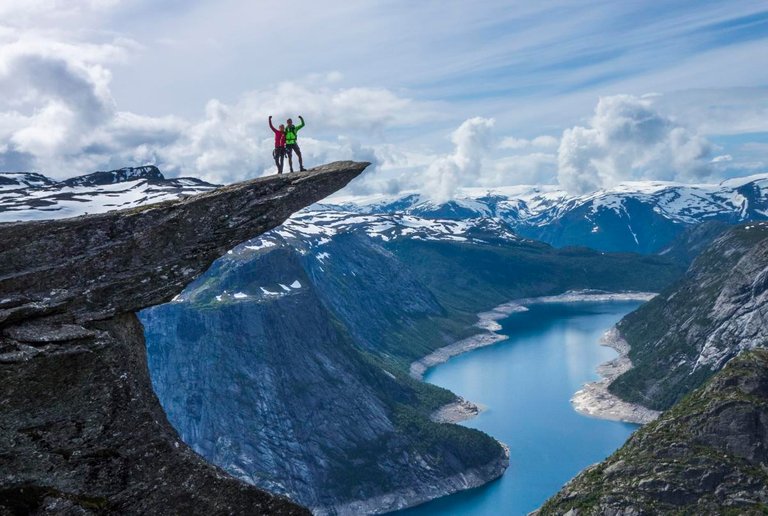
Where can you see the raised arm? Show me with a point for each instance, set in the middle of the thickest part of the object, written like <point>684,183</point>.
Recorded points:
<point>272,126</point>
<point>302,123</point>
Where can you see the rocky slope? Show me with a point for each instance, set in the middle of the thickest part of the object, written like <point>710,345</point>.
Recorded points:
<point>81,430</point>
<point>691,330</point>
<point>698,350</point>
<point>706,455</point>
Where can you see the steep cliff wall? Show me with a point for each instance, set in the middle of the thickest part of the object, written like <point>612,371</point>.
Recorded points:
<point>686,334</point>
<point>81,429</point>
<point>312,397</point>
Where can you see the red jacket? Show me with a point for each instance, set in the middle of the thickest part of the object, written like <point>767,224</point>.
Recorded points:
<point>279,135</point>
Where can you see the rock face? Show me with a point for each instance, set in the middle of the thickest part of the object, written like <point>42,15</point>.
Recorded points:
<point>706,455</point>
<point>686,334</point>
<point>297,402</point>
<point>81,430</point>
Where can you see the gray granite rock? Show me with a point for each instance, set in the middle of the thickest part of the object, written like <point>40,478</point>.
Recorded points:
<point>81,430</point>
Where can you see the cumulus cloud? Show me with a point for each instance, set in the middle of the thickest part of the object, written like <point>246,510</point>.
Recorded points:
<point>58,116</point>
<point>628,139</point>
<point>471,141</point>
<point>531,168</point>
<point>52,95</point>
<point>232,141</point>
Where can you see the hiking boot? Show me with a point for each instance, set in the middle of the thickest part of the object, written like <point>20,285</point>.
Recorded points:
<point>302,169</point>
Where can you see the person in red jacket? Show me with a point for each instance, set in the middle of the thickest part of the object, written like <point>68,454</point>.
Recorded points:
<point>279,152</point>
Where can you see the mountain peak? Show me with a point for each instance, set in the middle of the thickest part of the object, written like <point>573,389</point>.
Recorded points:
<point>19,180</point>
<point>149,172</point>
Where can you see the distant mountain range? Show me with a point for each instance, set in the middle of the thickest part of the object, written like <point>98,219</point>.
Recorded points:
<point>644,217</point>
<point>640,217</point>
<point>30,196</point>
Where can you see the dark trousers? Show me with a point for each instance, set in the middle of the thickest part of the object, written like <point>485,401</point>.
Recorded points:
<point>279,155</point>
<point>290,149</point>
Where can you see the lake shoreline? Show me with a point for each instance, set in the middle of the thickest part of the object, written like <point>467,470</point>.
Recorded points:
<point>463,410</point>
<point>405,499</point>
<point>595,400</point>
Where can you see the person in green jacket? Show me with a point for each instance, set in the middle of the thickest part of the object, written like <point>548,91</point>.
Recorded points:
<point>290,142</point>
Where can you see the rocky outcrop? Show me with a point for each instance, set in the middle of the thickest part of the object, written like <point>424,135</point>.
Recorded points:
<point>594,399</point>
<point>81,430</point>
<point>706,455</point>
<point>686,334</point>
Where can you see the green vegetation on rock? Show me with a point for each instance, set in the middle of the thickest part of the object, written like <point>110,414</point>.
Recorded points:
<point>706,455</point>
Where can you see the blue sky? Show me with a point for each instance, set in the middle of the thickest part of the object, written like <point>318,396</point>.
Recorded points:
<point>452,92</point>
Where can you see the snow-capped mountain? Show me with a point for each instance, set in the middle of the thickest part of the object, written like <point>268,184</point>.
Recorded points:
<point>315,228</point>
<point>643,217</point>
<point>10,181</point>
<point>31,196</point>
<point>635,216</point>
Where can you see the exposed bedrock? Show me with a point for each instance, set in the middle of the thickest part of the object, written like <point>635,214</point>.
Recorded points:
<point>81,430</point>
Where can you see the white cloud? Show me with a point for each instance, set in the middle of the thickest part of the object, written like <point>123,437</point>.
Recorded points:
<point>540,142</point>
<point>628,139</point>
<point>533,168</point>
<point>77,90</point>
<point>720,111</point>
<point>58,116</point>
<point>445,175</point>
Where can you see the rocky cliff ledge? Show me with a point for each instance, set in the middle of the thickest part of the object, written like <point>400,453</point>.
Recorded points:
<point>81,430</point>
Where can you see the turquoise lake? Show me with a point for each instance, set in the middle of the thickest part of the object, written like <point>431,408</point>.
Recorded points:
<point>526,384</point>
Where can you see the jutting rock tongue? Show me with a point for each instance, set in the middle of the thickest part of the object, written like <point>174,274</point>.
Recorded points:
<point>81,428</point>
<point>102,265</point>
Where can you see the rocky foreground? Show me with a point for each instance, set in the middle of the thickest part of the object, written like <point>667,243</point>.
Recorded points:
<point>81,430</point>
<point>706,455</point>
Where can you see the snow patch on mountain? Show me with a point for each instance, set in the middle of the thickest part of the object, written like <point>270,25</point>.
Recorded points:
<point>29,196</point>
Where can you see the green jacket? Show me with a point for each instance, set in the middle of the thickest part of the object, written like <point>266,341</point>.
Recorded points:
<point>290,133</point>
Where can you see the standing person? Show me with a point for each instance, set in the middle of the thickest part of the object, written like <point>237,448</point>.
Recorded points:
<point>290,142</point>
<point>279,152</point>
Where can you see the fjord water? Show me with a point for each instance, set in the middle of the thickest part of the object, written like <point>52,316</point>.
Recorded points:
<point>526,384</point>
